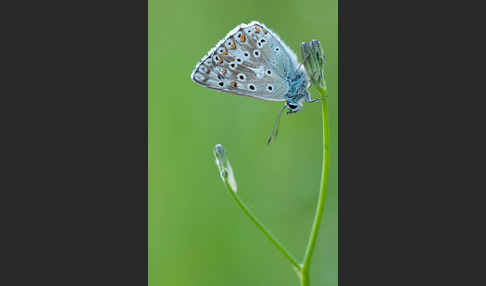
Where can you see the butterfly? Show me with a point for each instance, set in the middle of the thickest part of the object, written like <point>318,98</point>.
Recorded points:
<point>253,61</point>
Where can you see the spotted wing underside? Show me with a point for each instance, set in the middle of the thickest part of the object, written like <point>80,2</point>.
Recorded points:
<point>249,61</point>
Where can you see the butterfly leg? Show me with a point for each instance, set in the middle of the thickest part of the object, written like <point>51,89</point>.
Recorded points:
<point>308,99</point>
<point>317,99</point>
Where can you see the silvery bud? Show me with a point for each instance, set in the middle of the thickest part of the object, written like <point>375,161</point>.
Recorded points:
<point>314,60</point>
<point>224,166</point>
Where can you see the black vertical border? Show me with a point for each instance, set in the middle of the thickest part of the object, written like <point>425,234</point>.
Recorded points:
<point>75,194</point>
<point>146,142</point>
<point>394,168</point>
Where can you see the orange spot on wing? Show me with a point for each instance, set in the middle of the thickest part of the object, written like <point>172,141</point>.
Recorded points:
<point>225,52</point>
<point>233,46</point>
<point>242,38</point>
<point>220,60</point>
<point>257,30</point>
<point>264,31</point>
<point>233,84</point>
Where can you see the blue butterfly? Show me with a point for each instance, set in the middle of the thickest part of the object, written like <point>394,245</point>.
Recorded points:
<point>252,61</point>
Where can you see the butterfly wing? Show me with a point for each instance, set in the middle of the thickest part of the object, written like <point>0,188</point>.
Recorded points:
<point>249,61</point>
<point>275,52</point>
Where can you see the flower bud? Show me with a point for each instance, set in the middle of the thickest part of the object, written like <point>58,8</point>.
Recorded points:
<point>313,59</point>
<point>224,166</point>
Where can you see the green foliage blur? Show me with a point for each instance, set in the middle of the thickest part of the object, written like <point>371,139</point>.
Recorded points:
<point>197,234</point>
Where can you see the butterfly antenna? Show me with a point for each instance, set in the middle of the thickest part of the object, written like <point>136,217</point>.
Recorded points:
<point>275,126</point>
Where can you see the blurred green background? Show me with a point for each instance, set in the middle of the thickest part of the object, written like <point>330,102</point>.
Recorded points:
<point>197,234</point>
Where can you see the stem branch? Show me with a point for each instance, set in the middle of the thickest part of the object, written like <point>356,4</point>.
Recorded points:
<point>264,229</point>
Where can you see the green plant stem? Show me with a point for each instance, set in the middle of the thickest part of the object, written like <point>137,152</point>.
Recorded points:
<point>264,229</point>
<point>304,275</point>
<point>301,269</point>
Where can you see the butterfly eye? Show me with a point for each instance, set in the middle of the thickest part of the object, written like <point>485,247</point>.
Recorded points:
<point>291,106</point>
<point>251,87</point>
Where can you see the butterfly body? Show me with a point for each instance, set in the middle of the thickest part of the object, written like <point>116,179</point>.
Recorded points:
<point>252,61</point>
